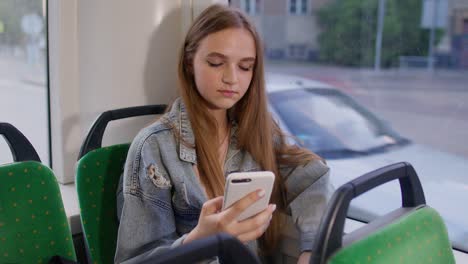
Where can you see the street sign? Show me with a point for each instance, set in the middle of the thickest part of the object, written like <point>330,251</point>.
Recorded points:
<point>434,18</point>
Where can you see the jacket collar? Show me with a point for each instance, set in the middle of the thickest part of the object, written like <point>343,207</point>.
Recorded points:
<point>182,124</point>
<point>187,150</point>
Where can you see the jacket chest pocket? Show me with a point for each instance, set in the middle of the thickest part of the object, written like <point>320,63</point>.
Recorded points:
<point>183,208</point>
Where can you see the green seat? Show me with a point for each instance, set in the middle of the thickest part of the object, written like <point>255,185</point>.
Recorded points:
<point>97,176</point>
<point>33,223</point>
<point>418,236</point>
<point>414,233</point>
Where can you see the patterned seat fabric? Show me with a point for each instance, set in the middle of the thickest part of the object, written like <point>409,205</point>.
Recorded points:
<point>97,177</point>
<point>419,237</point>
<point>33,223</point>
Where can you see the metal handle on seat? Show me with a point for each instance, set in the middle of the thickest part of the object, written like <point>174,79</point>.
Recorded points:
<point>21,148</point>
<point>94,138</point>
<point>331,229</point>
<point>228,249</point>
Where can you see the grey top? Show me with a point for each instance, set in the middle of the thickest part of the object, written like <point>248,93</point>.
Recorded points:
<point>160,197</point>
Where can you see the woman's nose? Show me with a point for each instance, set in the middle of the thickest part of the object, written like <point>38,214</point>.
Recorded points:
<point>230,75</point>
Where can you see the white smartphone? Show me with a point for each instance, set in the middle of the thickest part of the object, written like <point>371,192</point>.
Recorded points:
<point>239,184</point>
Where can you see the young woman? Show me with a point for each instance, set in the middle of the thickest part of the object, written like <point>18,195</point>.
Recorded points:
<point>175,172</point>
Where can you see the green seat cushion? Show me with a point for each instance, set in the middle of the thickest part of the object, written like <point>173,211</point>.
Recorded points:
<point>419,237</point>
<point>33,223</point>
<point>97,178</point>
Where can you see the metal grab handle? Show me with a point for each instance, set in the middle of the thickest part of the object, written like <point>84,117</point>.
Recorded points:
<point>21,148</point>
<point>331,229</point>
<point>96,133</point>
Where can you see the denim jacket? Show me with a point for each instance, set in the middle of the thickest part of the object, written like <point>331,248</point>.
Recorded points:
<point>161,197</point>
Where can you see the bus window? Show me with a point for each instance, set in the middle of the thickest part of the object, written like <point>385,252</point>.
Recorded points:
<point>23,73</point>
<point>368,83</point>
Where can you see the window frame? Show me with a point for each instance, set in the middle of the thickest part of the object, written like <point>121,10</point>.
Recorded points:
<point>299,6</point>
<point>254,6</point>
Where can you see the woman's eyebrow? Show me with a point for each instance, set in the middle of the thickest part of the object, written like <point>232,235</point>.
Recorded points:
<point>248,59</point>
<point>222,56</point>
<point>216,54</point>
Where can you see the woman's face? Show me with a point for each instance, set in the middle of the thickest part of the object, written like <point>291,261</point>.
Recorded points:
<point>223,67</point>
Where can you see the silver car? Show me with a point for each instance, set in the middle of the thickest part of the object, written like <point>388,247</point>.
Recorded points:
<point>354,141</point>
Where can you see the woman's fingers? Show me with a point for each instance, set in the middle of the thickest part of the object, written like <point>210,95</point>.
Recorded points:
<point>254,234</point>
<point>238,207</point>
<point>254,222</point>
<point>212,221</point>
<point>212,206</point>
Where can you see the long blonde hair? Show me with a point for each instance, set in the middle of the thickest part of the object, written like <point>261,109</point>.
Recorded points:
<point>258,134</point>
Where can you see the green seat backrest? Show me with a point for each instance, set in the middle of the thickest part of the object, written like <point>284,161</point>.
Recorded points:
<point>97,178</point>
<point>419,237</point>
<point>33,223</point>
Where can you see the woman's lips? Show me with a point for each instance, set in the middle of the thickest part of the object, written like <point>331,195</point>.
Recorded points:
<point>227,93</point>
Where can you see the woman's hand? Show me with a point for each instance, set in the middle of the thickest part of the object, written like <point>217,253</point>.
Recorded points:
<point>213,221</point>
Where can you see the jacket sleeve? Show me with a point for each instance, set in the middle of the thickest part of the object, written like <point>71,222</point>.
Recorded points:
<point>308,191</point>
<point>147,225</point>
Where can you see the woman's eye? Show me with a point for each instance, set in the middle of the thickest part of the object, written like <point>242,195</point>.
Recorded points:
<point>245,68</point>
<point>214,64</point>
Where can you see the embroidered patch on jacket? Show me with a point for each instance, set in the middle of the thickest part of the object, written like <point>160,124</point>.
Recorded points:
<point>157,177</point>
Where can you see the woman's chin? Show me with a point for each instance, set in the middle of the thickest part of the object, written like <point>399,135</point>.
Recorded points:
<point>223,104</point>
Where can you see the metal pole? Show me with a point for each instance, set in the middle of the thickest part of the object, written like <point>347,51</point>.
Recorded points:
<point>430,59</point>
<point>378,41</point>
